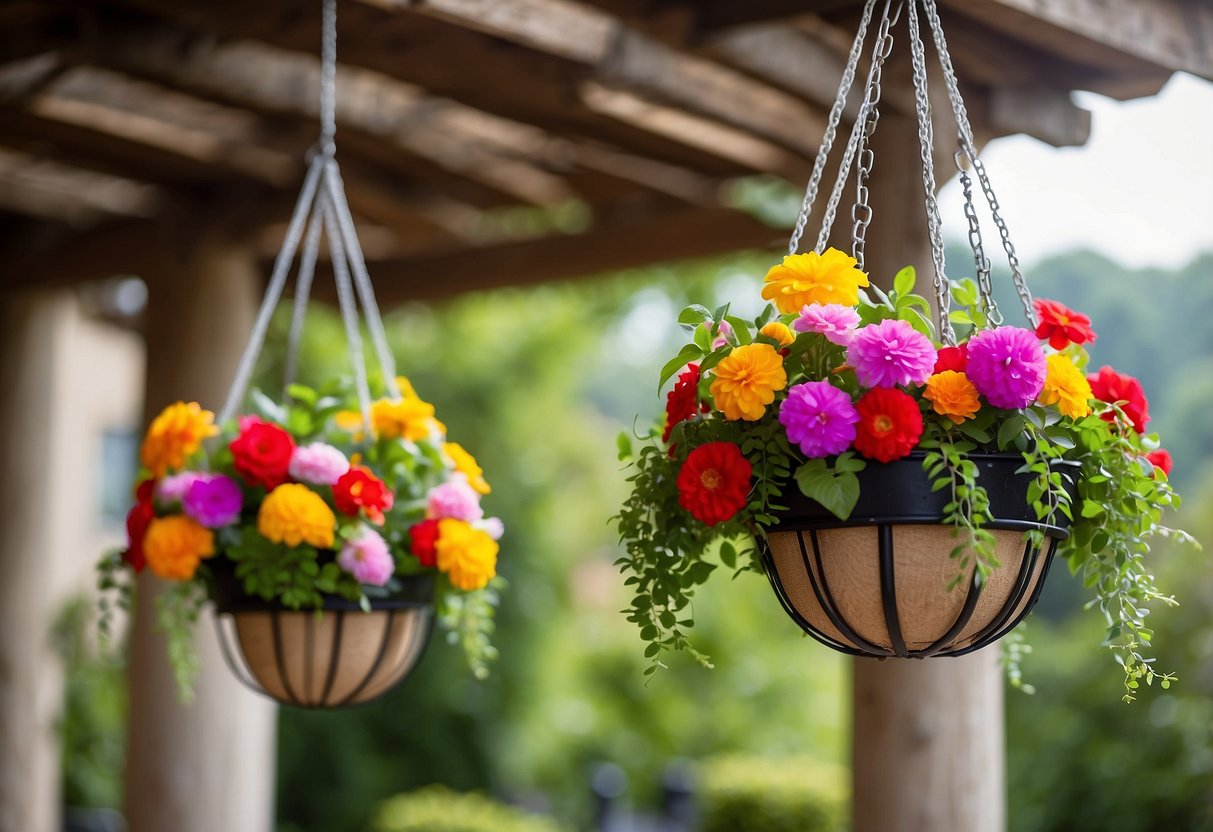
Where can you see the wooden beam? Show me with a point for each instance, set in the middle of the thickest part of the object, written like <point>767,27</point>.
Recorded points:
<point>1045,113</point>
<point>713,15</point>
<point>638,241</point>
<point>633,61</point>
<point>52,191</point>
<point>118,248</point>
<point>1168,35</point>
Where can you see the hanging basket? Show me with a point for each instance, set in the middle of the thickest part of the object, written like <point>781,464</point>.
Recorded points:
<point>333,658</point>
<point>877,584</point>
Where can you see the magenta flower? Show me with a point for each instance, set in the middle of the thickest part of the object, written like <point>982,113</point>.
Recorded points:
<point>454,499</point>
<point>891,353</point>
<point>1007,366</point>
<point>367,558</point>
<point>172,489</point>
<point>317,464</point>
<point>213,500</point>
<point>833,320</point>
<point>819,418</point>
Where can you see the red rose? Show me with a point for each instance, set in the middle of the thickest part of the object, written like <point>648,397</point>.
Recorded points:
<point>682,401</point>
<point>262,452</point>
<point>714,482</point>
<point>890,424</point>
<point>952,358</point>
<point>358,489</point>
<point>140,516</point>
<point>1110,386</point>
<point>1160,459</point>
<point>1060,325</point>
<point>423,539</point>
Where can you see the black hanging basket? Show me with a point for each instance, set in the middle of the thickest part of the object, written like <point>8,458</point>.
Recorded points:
<point>876,584</point>
<point>341,656</point>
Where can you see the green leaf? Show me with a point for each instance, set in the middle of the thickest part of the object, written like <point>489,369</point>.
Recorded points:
<point>302,394</point>
<point>1090,509</point>
<point>837,491</point>
<point>1011,428</point>
<point>623,443</point>
<point>741,329</point>
<point>903,282</point>
<point>694,315</point>
<point>685,356</point>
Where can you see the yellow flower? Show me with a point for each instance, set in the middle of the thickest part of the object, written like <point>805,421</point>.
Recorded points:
<point>294,514</point>
<point>952,395</point>
<point>467,555</point>
<point>406,388</point>
<point>802,279</point>
<point>466,464</point>
<point>746,381</point>
<point>175,435</point>
<point>350,421</point>
<point>175,545</point>
<point>1066,387</point>
<point>778,332</point>
<point>410,418</point>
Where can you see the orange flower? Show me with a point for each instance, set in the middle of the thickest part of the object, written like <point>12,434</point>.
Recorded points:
<point>292,514</point>
<point>175,545</point>
<point>175,435</point>
<point>746,381</point>
<point>779,333</point>
<point>952,395</point>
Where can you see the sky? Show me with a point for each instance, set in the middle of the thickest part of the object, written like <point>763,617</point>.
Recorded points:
<point>1140,191</point>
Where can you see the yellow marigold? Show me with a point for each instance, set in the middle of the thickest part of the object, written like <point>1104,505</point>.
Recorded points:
<point>1066,387</point>
<point>294,514</point>
<point>952,395</point>
<point>746,381</point>
<point>466,554</point>
<point>466,464</point>
<point>174,546</point>
<point>407,390</point>
<point>410,417</point>
<point>778,332</point>
<point>832,277</point>
<point>175,435</point>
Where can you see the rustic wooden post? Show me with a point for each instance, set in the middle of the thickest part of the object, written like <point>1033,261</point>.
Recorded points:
<point>209,765</point>
<point>928,736</point>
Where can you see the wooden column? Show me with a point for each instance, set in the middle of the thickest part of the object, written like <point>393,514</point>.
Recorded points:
<point>206,766</point>
<point>928,737</point>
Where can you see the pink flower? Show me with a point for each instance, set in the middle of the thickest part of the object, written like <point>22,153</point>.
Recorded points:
<point>454,500</point>
<point>723,334</point>
<point>833,320</point>
<point>819,418</point>
<point>891,353</point>
<point>492,526</point>
<point>367,558</point>
<point>172,489</point>
<point>1007,366</point>
<point>317,464</point>
<point>213,500</point>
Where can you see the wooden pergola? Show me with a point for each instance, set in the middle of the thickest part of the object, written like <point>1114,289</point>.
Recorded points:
<point>484,143</point>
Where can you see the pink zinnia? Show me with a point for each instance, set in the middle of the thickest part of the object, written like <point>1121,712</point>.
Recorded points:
<point>1007,366</point>
<point>891,353</point>
<point>172,489</point>
<point>317,464</point>
<point>455,500</point>
<point>367,558</point>
<point>819,418</point>
<point>213,500</point>
<point>833,320</point>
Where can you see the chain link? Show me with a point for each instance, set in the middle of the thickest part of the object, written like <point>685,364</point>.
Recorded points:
<point>832,123</point>
<point>981,262</point>
<point>861,211</point>
<point>968,145</point>
<point>328,78</point>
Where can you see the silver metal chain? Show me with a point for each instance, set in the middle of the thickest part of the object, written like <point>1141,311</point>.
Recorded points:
<point>926,144</point>
<point>981,263</point>
<point>835,118</point>
<point>328,78</point>
<point>968,145</point>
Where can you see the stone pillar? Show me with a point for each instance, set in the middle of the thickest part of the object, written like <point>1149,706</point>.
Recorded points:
<point>206,766</point>
<point>928,751</point>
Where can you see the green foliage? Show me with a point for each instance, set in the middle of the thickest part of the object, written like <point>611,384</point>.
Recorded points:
<point>754,794</point>
<point>177,611</point>
<point>438,809</point>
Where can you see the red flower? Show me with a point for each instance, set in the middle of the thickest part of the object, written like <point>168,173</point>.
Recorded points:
<point>890,424</point>
<point>1060,325</point>
<point>682,401</point>
<point>714,482</point>
<point>1110,386</point>
<point>358,489</point>
<point>952,358</point>
<point>140,516</point>
<point>1160,459</point>
<point>262,452</point>
<point>423,540</point>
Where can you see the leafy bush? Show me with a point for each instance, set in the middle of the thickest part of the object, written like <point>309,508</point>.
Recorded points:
<point>438,809</point>
<point>752,794</point>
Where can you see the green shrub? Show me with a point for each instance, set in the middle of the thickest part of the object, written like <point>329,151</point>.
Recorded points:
<point>753,794</point>
<point>438,809</point>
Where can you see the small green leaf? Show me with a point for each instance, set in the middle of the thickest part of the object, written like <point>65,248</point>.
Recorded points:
<point>837,491</point>
<point>685,356</point>
<point>903,282</point>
